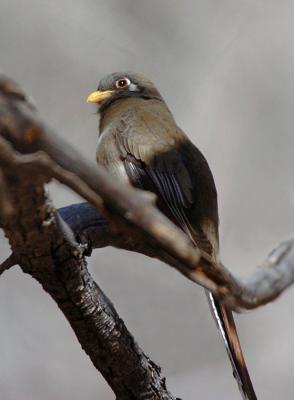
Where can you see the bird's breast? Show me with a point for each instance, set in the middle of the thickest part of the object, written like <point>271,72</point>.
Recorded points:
<point>109,157</point>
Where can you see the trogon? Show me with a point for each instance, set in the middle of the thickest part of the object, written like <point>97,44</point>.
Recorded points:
<point>141,144</point>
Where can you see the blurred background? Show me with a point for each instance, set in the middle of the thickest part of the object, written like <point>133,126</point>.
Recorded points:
<point>225,68</point>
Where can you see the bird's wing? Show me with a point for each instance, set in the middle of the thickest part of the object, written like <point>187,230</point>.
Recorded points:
<point>154,163</point>
<point>156,151</point>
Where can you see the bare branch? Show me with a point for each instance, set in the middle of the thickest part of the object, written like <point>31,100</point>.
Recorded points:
<point>10,262</point>
<point>46,244</point>
<point>130,210</point>
<point>47,249</point>
<point>263,286</point>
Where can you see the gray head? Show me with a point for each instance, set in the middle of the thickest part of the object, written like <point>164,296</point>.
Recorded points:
<point>121,85</point>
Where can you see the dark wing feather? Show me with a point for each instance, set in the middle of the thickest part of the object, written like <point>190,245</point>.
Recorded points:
<point>165,185</point>
<point>170,191</point>
<point>136,173</point>
<point>154,164</point>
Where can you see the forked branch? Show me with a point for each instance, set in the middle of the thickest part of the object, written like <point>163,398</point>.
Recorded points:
<point>129,210</point>
<point>52,246</point>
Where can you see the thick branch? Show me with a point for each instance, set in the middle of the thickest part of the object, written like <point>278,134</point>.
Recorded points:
<point>46,248</point>
<point>264,285</point>
<point>47,251</point>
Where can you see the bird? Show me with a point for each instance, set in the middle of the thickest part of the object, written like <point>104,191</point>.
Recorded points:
<point>140,143</point>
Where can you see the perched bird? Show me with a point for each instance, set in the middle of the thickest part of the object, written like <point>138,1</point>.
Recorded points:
<point>141,144</point>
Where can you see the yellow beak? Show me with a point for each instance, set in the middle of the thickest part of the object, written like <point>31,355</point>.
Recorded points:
<point>99,96</point>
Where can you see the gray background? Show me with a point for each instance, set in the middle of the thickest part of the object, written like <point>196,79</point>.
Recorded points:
<point>225,68</point>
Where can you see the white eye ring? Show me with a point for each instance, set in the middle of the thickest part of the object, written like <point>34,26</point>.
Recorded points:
<point>122,83</point>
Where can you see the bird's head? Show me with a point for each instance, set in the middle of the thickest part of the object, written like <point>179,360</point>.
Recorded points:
<point>121,85</point>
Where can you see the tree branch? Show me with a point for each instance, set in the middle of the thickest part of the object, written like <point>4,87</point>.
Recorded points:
<point>10,262</point>
<point>264,285</point>
<point>129,210</point>
<point>48,252</point>
<point>51,246</point>
<point>47,249</point>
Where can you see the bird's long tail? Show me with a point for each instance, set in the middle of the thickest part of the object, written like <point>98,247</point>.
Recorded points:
<point>226,324</point>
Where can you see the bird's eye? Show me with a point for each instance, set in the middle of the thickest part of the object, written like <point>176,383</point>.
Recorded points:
<point>122,83</point>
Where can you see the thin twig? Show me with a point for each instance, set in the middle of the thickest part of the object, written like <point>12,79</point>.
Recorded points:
<point>10,262</point>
